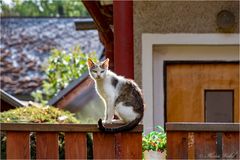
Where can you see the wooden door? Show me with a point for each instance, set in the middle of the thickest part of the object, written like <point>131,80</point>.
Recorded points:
<point>189,86</point>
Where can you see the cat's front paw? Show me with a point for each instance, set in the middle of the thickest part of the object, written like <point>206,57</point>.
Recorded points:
<point>117,121</point>
<point>106,121</point>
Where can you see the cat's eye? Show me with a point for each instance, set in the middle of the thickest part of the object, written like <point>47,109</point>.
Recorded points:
<point>94,71</point>
<point>102,71</point>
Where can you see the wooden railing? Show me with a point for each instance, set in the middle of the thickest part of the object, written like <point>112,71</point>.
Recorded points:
<point>202,140</point>
<point>125,145</point>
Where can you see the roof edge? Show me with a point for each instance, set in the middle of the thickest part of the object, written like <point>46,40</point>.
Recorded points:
<point>68,89</point>
<point>10,99</point>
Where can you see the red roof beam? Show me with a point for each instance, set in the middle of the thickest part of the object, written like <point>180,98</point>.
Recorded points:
<point>105,32</point>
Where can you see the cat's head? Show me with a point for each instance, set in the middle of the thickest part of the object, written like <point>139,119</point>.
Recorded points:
<point>98,70</point>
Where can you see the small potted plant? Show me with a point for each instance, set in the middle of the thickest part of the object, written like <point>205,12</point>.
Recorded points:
<point>154,144</point>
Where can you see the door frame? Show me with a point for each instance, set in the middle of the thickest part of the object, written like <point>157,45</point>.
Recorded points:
<point>173,62</point>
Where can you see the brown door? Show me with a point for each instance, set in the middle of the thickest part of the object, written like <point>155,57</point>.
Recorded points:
<point>202,92</point>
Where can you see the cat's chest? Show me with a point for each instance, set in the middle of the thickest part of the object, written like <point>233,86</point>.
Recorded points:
<point>106,89</point>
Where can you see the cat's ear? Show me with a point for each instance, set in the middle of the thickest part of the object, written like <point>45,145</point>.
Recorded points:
<point>105,64</point>
<point>90,63</point>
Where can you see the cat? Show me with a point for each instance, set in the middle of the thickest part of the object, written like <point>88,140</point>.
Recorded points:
<point>122,97</point>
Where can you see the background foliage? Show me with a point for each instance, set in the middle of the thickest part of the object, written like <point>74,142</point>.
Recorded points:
<point>48,8</point>
<point>61,70</point>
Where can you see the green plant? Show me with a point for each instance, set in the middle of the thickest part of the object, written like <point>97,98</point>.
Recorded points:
<point>34,114</point>
<point>62,68</point>
<point>155,140</point>
<point>33,8</point>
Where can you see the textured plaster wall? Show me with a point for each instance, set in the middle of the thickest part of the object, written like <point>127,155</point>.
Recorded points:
<point>176,17</point>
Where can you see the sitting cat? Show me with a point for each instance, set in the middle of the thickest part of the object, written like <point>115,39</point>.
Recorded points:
<point>121,97</point>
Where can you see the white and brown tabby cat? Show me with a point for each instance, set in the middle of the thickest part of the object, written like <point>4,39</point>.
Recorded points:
<point>121,97</point>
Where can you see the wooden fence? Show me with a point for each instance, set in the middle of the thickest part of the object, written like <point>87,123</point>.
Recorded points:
<point>203,140</point>
<point>105,146</point>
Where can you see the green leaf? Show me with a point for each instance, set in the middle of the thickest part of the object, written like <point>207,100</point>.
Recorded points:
<point>155,140</point>
<point>62,69</point>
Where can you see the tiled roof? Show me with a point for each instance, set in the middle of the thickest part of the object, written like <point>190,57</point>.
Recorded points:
<point>26,44</point>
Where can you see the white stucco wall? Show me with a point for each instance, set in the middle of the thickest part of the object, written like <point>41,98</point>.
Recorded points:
<point>157,48</point>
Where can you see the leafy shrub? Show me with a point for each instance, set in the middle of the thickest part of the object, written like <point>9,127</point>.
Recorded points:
<point>61,70</point>
<point>155,140</point>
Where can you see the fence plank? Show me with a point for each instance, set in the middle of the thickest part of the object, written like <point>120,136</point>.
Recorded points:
<point>205,145</point>
<point>128,145</point>
<point>177,145</point>
<point>18,146</point>
<point>75,145</point>
<point>230,145</point>
<point>103,146</point>
<point>191,145</point>
<point>47,145</point>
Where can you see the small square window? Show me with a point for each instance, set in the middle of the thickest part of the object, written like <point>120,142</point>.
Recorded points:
<point>219,105</point>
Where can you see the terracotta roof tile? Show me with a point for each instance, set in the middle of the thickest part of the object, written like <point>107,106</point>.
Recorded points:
<point>26,44</point>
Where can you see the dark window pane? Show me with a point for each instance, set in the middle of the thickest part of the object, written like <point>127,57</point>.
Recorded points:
<point>219,106</point>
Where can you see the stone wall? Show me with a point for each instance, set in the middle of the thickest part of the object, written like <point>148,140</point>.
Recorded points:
<point>176,17</point>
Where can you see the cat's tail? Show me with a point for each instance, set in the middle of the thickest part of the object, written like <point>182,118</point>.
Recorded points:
<point>126,127</point>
